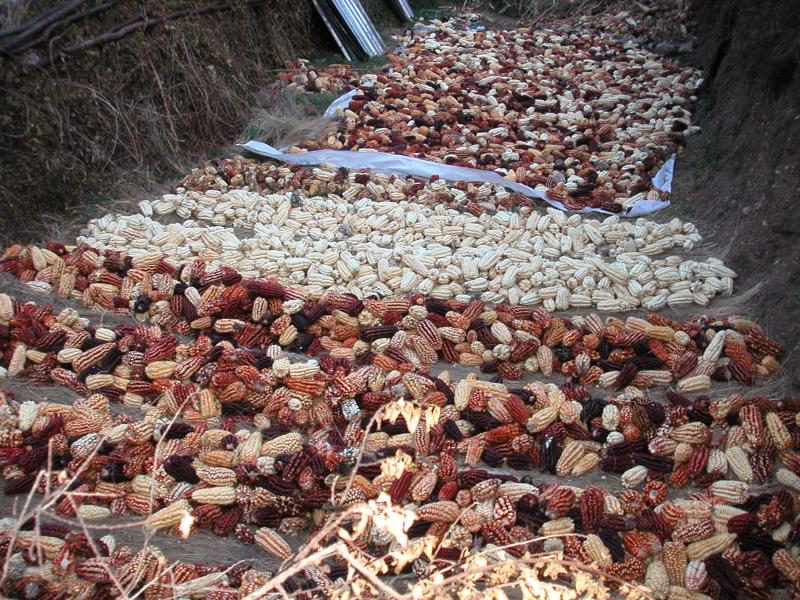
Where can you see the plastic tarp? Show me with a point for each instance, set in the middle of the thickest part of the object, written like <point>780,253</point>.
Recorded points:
<point>395,164</point>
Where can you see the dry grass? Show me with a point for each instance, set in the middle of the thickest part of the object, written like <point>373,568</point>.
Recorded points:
<point>136,111</point>
<point>288,118</point>
<point>13,13</point>
<point>488,572</point>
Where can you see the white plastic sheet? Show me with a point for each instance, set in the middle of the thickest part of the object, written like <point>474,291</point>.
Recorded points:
<point>395,164</point>
<point>344,100</point>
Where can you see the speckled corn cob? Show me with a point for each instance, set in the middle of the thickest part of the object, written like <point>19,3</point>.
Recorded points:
<point>270,541</point>
<point>713,545</point>
<point>675,561</point>
<point>444,511</point>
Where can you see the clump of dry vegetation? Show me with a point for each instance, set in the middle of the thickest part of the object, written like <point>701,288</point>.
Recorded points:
<point>106,91</point>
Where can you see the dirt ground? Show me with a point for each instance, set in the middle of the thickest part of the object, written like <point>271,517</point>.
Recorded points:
<point>739,179</point>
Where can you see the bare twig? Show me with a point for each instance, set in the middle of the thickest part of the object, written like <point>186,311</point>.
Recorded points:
<point>30,23</point>
<point>136,24</point>
<point>45,36</point>
<point>33,29</point>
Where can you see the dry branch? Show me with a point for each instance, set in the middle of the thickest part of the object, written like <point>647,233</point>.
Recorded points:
<point>34,27</point>
<point>142,22</point>
<point>45,36</point>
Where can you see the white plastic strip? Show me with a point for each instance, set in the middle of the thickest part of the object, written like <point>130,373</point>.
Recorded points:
<point>343,101</point>
<point>405,165</point>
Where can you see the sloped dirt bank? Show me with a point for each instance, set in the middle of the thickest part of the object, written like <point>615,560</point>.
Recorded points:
<point>740,177</point>
<point>121,96</point>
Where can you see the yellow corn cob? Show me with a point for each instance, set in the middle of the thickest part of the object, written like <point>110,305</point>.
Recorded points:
<point>216,476</point>
<point>270,541</point>
<point>572,453</point>
<point>612,505</point>
<point>105,334</point>
<point>657,580</point>
<point>17,362</point>
<point>681,593</point>
<point>786,564</point>
<point>305,370</point>
<point>729,490</point>
<point>515,490</point>
<point>208,404</point>
<point>288,336</point>
<point>168,516</point>
<point>141,431</point>
<point>787,478</point>
<point>634,476</point>
<point>35,356</point>
<point>717,462</point>
<point>68,355</point>
<point>694,383</point>
<point>682,453</point>
<point>664,334</point>
<point>108,491</point>
<point>443,511</point>
<point>212,438</point>
<point>722,514</point>
<point>50,546</point>
<point>147,486</point>
<point>228,325</point>
<point>485,490</point>
<point>558,527</point>
<point>422,488</point>
<point>586,464</point>
<point>6,308</point>
<point>714,349</point>
<point>597,550</point>
<point>283,444</point>
<point>250,449</point>
<point>714,545</point>
<point>694,509</point>
<point>656,378</point>
<point>693,432</point>
<point>132,400</point>
<point>778,432</point>
<point>739,463</point>
<point>99,380</point>
<point>201,323</point>
<point>160,369</point>
<point>222,495</point>
<point>607,379</point>
<point>637,324</point>
<point>568,412</point>
<point>675,561</point>
<point>471,520</point>
<point>541,419</point>
<point>771,364</point>
<point>610,417</point>
<point>401,439</point>
<point>92,512</point>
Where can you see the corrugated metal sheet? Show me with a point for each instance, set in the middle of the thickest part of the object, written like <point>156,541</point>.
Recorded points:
<point>351,27</point>
<point>403,8</point>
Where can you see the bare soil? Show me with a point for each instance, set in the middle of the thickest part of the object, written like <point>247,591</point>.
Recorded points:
<point>739,180</point>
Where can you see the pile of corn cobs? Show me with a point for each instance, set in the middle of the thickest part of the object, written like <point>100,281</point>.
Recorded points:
<point>579,115</point>
<point>253,443</point>
<point>239,398</point>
